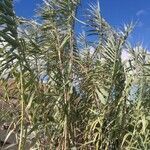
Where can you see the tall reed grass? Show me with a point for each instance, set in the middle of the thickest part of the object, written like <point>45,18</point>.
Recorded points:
<point>63,91</point>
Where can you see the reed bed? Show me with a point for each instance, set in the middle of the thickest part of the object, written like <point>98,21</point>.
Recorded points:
<point>64,91</point>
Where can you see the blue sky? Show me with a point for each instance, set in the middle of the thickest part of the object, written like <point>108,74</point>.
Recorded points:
<point>116,12</point>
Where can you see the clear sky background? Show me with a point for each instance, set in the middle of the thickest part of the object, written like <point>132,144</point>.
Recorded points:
<point>116,13</point>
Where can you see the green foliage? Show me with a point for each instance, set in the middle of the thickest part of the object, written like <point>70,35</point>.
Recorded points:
<point>66,92</point>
